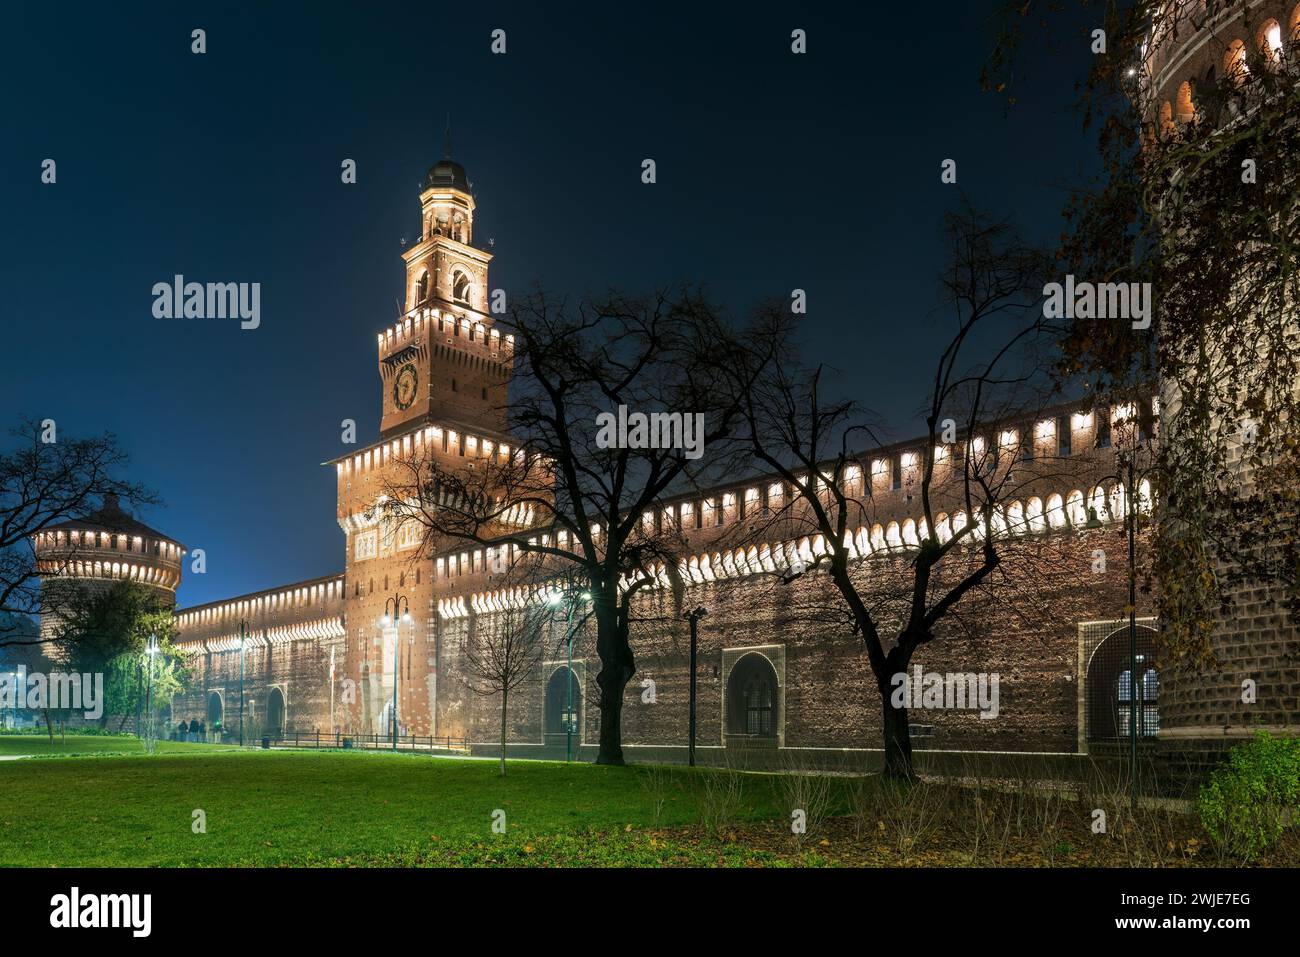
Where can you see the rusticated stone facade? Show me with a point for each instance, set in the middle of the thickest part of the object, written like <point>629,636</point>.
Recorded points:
<point>1197,46</point>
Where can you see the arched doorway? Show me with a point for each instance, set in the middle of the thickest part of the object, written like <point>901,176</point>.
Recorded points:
<point>752,698</point>
<point>563,704</point>
<point>1111,709</point>
<point>215,709</point>
<point>384,728</point>
<point>275,712</point>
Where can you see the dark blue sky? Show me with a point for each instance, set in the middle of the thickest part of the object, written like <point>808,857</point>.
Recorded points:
<point>775,171</point>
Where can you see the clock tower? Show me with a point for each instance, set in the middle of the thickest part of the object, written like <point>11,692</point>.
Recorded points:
<point>443,361</point>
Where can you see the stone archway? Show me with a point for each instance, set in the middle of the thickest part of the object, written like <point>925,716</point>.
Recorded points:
<point>559,715</point>
<point>276,712</point>
<point>216,708</point>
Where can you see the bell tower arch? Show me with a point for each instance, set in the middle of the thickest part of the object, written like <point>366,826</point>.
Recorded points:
<point>443,360</point>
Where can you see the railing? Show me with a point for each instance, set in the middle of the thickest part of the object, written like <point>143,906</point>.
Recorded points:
<point>340,740</point>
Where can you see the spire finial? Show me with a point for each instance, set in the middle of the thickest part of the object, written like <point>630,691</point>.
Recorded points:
<point>447,139</point>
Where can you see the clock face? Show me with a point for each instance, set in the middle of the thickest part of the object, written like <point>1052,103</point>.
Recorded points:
<point>404,387</point>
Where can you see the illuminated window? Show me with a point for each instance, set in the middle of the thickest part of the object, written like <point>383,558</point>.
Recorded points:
<point>408,536</point>
<point>1270,40</point>
<point>366,545</point>
<point>1184,108</point>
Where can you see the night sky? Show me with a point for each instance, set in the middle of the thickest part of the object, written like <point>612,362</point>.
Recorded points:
<point>775,171</point>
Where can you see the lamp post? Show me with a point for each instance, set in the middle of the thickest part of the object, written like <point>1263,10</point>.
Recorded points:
<point>554,599</point>
<point>694,618</point>
<point>150,650</point>
<point>1128,478</point>
<point>243,643</point>
<point>401,607</point>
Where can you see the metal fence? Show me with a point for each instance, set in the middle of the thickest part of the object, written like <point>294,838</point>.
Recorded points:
<point>342,741</point>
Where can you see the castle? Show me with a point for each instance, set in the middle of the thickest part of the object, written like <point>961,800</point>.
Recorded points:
<point>774,671</point>
<point>777,668</point>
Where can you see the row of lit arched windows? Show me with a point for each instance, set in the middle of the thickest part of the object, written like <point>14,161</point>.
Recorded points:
<point>1077,509</point>
<point>1270,39</point>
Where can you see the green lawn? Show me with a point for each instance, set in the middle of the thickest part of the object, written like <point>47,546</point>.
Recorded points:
<point>339,808</point>
<point>79,745</point>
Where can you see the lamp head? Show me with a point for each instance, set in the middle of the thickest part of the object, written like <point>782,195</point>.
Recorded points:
<point>386,620</point>
<point>406,617</point>
<point>554,598</point>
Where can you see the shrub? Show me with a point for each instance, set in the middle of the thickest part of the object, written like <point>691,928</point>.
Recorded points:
<point>1250,801</point>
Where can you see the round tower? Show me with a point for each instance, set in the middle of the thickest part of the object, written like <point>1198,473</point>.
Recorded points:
<point>1196,78</point>
<point>82,556</point>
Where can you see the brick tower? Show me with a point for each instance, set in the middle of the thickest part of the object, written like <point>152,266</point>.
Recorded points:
<point>444,374</point>
<point>1256,644</point>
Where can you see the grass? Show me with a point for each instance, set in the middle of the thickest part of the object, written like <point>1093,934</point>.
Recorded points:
<point>330,808</point>
<point>96,801</point>
<point>82,745</point>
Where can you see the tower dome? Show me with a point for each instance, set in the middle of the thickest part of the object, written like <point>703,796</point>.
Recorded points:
<point>446,173</point>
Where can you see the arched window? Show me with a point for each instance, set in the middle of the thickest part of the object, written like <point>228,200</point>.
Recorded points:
<point>1269,39</point>
<point>1146,710</point>
<point>460,288</point>
<point>752,698</point>
<point>1109,706</point>
<point>1234,61</point>
<point>422,288</point>
<point>1184,108</point>
<point>1034,519</point>
<point>1055,511</point>
<point>1075,510</point>
<point>1166,118</point>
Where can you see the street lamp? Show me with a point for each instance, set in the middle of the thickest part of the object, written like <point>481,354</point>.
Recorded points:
<point>694,618</point>
<point>553,600</point>
<point>151,650</point>
<point>1129,478</point>
<point>401,607</point>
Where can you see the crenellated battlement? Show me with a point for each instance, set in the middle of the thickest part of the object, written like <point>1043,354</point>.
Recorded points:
<point>307,609</point>
<point>465,330</point>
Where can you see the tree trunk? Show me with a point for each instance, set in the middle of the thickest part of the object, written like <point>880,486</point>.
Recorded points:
<point>617,667</point>
<point>898,735</point>
<point>898,742</point>
<point>504,696</point>
<point>611,713</point>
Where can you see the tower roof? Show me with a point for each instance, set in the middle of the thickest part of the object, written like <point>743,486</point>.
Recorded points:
<point>111,517</point>
<point>447,172</point>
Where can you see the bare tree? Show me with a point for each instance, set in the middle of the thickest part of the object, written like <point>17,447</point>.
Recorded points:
<point>46,479</point>
<point>992,284</point>
<point>506,650</point>
<point>573,491</point>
